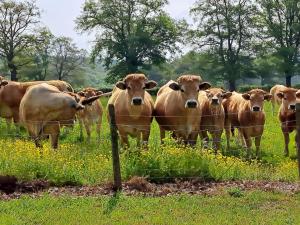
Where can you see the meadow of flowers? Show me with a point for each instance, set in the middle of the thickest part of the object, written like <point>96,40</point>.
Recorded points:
<point>78,162</point>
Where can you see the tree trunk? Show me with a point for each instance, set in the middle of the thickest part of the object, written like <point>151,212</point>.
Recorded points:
<point>288,80</point>
<point>232,86</point>
<point>13,71</point>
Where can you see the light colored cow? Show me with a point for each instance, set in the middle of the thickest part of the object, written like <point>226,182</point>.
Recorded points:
<point>133,107</point>
<point>177,108</point>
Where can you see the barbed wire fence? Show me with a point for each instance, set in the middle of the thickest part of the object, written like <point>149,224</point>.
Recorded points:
<point>110,140</point>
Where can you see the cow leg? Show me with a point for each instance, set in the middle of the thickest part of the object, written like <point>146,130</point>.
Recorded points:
<point>98,129</point>
<point>217,141</point>
<point>124,140</point>
<point>204,138</point>
<point>162,134</point>
<point>88,131</point>
<point>145,137</point>
<point>81,130</point>
<point>227,132</point>
<point>54,134</point>
<point>193,138</point>
<point>286,143</point>
<point>248,143</point>
<point>54,140</point>
<point>257,145</point>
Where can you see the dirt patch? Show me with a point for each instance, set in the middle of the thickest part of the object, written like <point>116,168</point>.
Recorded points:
<point>140,186</point>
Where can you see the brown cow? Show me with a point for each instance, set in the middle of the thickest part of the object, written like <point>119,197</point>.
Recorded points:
<point>177,108</point>
<point>92,114</point>
<point>44,109</point>
<point>275,100</point>
<point>12,92</point>
<point>133,107</point>
<point>287,114</point>
<point>213,114</point>
<point>245,111</point>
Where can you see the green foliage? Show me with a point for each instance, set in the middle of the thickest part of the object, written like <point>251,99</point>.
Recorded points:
<point>226,28</point>
<point>134,34</point>
<point>280,29</point>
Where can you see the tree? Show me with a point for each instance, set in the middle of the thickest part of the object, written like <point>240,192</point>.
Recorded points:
<point>225,28</point>
<point>280,24</point>
<point>16,20</point>
<point>132,34</point>
<point>66,57</point>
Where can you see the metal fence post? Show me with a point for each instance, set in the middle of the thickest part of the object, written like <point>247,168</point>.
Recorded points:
<point>298,134</point>
<point>115,149</point>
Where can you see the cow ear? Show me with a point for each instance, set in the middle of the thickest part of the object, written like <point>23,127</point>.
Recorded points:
<point>89,100</point>
<point>150,84</point>
<point>226,94</point>
<point>174,86</point>
<point>298,94</point>
<point>4,83</point>
<point>121,85</point>
<point>268,97</point>
<point>246,96</point>
<point>81,93</point>
<point>99,92</point>
<point>204,86</point>
<point>280,95</point>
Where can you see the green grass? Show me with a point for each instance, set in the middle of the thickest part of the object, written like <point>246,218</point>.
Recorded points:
<point>254,207</point>
<point>78,162</point>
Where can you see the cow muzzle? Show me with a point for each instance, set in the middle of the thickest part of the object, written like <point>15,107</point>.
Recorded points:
<point>256,109</point>
<point>215,101</point>
<point>191,104</point>
<point>137,101</point>
<point>292,107</point>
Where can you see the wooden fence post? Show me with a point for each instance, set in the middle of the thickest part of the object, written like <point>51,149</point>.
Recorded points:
<point>115,149</point>
<point>298,134</point>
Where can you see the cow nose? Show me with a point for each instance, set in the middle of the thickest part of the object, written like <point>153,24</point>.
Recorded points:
<point>215,101</point>
<point>292,107</point>
<point>191,104</point>
<point>256,109</point>
<point>136,101</point>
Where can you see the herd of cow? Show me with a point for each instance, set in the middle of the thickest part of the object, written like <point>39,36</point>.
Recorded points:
<point>188,108</point>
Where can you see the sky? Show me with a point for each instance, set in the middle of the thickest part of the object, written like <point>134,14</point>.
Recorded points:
<point>59,17</point>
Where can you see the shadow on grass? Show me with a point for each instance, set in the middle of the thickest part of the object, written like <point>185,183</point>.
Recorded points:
<point>112,203</point>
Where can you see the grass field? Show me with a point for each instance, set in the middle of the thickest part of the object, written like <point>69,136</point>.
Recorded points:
<point>78,162</point>
<point>254,207</point>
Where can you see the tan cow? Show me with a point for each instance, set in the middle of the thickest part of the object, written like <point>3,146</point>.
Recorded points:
<point>275,100</point>
<point>44,109</point>
<point>177,108</point>
<point>245,111</point>
<point>133,107</point>
<point>287,113</point>
<point>213,114</point>
<point>91,115</point>
<point>12,92</point>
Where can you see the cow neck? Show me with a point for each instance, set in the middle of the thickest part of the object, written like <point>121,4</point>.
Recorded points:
<point>216,111</point>
<point>286,115</point>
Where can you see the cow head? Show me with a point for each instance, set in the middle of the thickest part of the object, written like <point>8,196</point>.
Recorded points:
<point>81,101</point>
<point>256,98</point>
<point>188,87</point>
<point>216,96</point>
<point>288,98</point>
<point>135,86</point>
<point>89,92</point>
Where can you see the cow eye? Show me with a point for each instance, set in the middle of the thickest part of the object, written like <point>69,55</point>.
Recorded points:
<point>285,98</point>
<point>128,88</point>
<point>144,88</point>
<point>181,90</point>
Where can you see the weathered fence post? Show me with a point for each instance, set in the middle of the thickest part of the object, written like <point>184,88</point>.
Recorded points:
<point>115,149</point>
<point>298,134</point>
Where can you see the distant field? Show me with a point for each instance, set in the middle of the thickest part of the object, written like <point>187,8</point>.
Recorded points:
<point>254,207</point>
<point>78,162</point>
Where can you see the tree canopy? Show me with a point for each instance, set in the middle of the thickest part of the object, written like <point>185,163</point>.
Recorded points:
<point>131,34</point>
